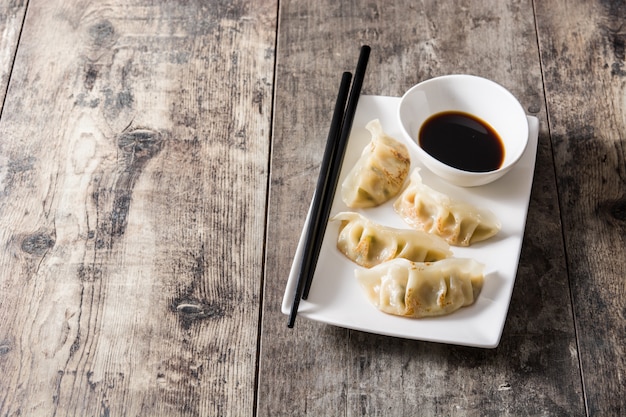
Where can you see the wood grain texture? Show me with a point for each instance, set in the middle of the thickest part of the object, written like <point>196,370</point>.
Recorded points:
<point>133,173</point>
<point>315,368</point>
<point>11,19</point>
<point>585,78</point>
<point>134,153</point>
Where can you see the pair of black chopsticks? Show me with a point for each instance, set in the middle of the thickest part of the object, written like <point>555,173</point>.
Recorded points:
<point>340,128</point>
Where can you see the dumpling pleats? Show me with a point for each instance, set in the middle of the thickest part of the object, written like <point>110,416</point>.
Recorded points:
<point>379,173</point>
<point>404,288</point>
<point>459,223</point>
<point>368,243</point>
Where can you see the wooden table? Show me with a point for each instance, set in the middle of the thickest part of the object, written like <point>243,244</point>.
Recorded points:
<point>157,160</point>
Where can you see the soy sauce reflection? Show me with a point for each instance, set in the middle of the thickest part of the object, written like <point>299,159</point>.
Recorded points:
<point>462,141</point>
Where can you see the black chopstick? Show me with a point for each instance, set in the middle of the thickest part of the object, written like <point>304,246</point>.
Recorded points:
<point>329,174</point>
<point>346,128</point>
<point>321,189</point>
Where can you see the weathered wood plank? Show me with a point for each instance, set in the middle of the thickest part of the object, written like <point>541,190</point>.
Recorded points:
<point>133,173</point>
<point>315,369</point>
<point>582,49</point>
<point>11,19</point>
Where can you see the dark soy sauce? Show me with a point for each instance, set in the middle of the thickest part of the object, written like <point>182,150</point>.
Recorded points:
<point>462,141</point>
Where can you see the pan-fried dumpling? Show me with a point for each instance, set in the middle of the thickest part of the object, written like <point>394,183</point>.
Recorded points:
<point>410,289</point>
<point>459,223</point>
<point>379,173</point>
<point>368,243</point>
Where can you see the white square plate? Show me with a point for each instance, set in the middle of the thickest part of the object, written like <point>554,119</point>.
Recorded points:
<point>337,299</point>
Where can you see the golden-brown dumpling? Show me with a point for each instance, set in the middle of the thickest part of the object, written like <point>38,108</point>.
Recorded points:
<point>404,288</point>
<point>380,171</point>
<point>368,243</point>
<point>459,223</point>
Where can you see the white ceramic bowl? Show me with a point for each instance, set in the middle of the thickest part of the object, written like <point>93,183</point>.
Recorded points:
<point>482,98</point>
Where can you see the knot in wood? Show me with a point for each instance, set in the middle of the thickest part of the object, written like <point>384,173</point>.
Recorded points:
<point>189,308</point>
<point>618,209</point>
<point>37,243</point>
<point>613,211</point>
<point>102,33</point>
<point>140,144</point>
<point>190,311</point>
